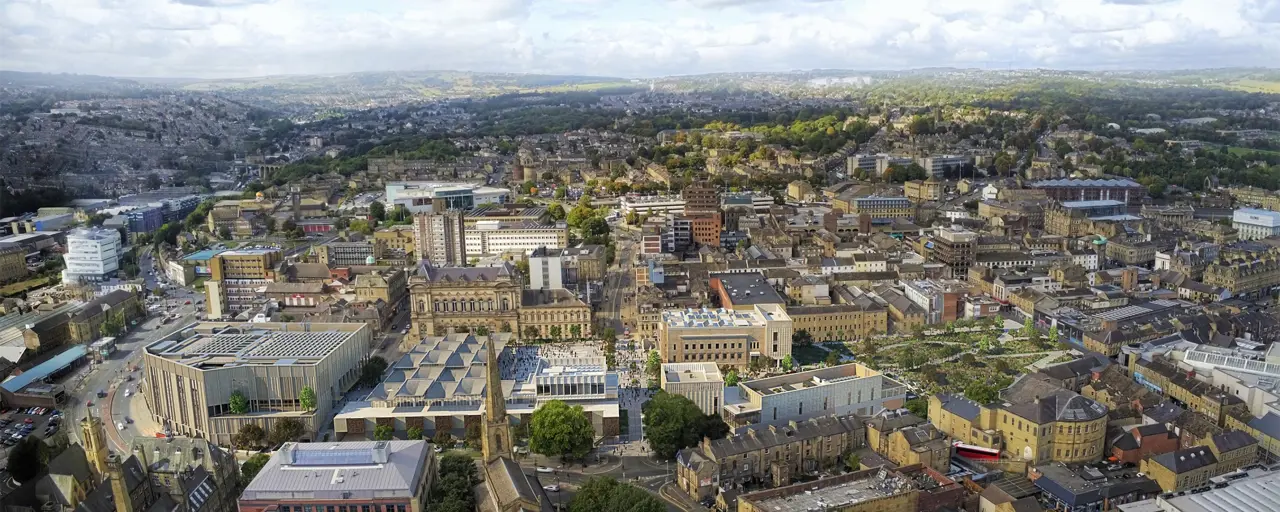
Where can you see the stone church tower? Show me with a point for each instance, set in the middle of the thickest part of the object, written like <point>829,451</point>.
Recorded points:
<point>497,430</point>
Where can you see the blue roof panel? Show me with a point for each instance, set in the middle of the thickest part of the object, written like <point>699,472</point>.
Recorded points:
<point>42,370</point>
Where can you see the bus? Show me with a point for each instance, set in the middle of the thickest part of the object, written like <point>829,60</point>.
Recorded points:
<point>969,451</point>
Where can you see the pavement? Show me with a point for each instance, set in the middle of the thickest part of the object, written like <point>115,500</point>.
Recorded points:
<point>111,374</point>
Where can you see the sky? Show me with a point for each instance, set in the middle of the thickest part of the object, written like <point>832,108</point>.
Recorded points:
<point>627,38</point>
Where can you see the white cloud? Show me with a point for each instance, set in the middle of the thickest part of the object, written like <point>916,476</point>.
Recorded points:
<point>225,38</point>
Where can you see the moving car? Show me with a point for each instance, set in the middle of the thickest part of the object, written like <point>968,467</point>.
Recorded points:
<point>544,469</point>
<point>551,488</point>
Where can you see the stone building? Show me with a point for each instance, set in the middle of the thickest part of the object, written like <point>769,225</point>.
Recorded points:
<point>462,299</point>
<point>773,456</point>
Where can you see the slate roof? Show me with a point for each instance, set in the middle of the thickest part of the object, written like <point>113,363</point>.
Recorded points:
<point>1041,402</point>
<point>767,437</point>
<point>103,303</point>
<point>1268,425</point>
<point>1233,440</point>
<point>959,406</point>
<point>1187,459</point>
<point>101,499</point>
<point>465,274</point>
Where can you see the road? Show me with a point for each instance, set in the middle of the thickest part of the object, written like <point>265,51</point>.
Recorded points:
<point>618,285</point>
<point>110,375</point>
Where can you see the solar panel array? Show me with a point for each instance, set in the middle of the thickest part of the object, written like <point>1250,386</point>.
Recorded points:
<point>332,457</point>
<point>263,344</point>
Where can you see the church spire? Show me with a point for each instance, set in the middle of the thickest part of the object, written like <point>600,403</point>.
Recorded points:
<point>495,405</point>
<point>496,441</point>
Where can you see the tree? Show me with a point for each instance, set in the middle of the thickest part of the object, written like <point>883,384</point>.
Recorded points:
<point>595,230</point>
<point>918,407</point>
<point>453,489</point>
<point>556,211</point>
<point>251,435</point>
<point>378,211</point>
<point>653,365</point>
<point>731,378</point>
<point>853,461</point>
<point>531,332</point>
<point>286,430</point>
<point>981,392</point>
<point>307,399</point>
<point>28,458</point>
<point>673,422</point>
<point>482,331</point>
<point>555,332</point>
<point>787,362</point>
<point>605,494</point>
<point>224,233</point>
<point>1053,335</point>
<point>832,359</point>
<point>270,224</point>
<point>251,467</point>
<point>1000,365</point>
<point>473,436</point>
<point>506,327</point>
<point>561,192</point>
<point>371,372</point>
<point>575,331</point>
<point>560,430</point>
<point>383,432</point>
<point>1028,327</point>
<point>442,438</point>
<point>801,338</point>
<point>414,433</point>
<point>153,181</point>
<point>157,291</point>
<point>609,335</point>
<point>239,402</point>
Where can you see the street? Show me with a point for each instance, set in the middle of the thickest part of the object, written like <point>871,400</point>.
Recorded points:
<point>112,375</point>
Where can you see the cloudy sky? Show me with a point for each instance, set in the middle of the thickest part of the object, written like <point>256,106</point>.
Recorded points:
<point>629,38</point>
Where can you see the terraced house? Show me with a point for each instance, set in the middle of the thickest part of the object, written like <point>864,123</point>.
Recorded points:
<point>774,456</point>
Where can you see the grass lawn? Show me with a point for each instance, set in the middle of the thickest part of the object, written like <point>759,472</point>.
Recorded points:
<point>1236,150</point>
<point>808,355</point>
<point>1256,86</point>
<point>22,286</point>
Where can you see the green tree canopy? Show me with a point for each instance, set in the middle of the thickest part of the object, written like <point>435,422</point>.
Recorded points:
<point>307,399</point>
<point>250,435</point>
<point>453,488</point>
<point>286,430</point>
<point>239,403</point>
<point>981,392</point>
<point>673,422</point>
<point>371,372</point>
<point>249,470</point>
<point>605,494</point>
<point>653,365</point>
<point>731,377</point>
<point>383,432</point>
<point>28,458</point>
<point>560,430</point>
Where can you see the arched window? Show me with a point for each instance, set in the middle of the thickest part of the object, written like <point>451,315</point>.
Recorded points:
<point>422,307</point>
<point>506,304</point>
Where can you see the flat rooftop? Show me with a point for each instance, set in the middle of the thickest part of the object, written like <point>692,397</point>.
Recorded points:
<point>215,345</point>
<point>202,255</point>
<point>692,372</point>
<point>1097,203</point>
<point>248,252</point>
<point>815,496</point>
<point>345,470</point>
<point>815,378</point>
<point>708,318</point>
